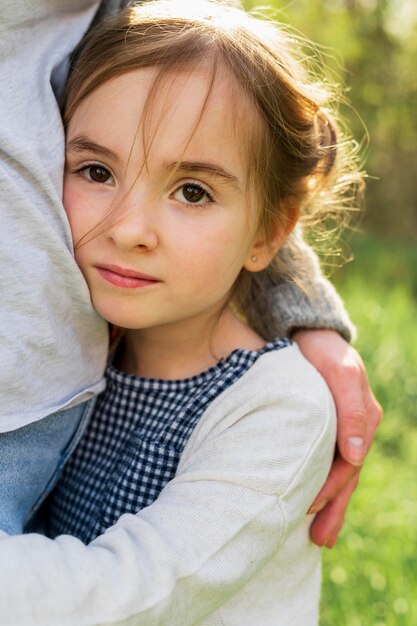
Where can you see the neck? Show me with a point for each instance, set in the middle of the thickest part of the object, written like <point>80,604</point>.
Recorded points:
<point>186,351</point>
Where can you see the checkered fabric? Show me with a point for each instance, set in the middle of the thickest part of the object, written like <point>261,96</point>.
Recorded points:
<point>133,444</point>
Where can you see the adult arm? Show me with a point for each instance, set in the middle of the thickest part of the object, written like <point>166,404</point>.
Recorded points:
<point>309,302</point>
<point>359,415</point>
<point>299,298</point>
<point>244,483</point>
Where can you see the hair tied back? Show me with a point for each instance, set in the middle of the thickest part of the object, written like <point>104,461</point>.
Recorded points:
<point>327,140</point>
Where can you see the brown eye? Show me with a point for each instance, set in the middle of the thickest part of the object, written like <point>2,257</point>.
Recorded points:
<point>191,193</point>
<point>97,173</point>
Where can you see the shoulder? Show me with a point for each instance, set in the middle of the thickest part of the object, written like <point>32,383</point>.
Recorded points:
<point>275,426</point>
<point>279,379</point>
<point>285,365</point>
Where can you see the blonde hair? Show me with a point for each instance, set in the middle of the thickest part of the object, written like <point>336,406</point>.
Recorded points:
<point>298,157</point>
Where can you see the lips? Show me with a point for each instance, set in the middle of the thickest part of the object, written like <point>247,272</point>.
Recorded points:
<point>124,277</point>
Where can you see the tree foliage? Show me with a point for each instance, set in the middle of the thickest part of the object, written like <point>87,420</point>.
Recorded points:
<point>371,46</point>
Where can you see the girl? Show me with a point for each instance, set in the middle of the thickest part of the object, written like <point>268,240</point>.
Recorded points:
<point>194,143</point>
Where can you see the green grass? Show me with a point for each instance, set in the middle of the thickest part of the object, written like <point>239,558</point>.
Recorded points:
<point>369,578</point>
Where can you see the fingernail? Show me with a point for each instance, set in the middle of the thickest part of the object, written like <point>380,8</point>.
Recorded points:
<point>356,449</point>
<point>316,507</point>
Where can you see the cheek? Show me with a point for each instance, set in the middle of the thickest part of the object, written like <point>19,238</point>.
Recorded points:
<point>230,244</point>
<point>79,216</point>
<point>219,257</point>
<point>79,255</point>
<point>71,203</point>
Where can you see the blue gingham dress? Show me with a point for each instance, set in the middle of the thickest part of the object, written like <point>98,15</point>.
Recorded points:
<point>133,444</point>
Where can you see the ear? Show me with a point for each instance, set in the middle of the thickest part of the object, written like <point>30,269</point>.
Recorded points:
<point>264,249</point>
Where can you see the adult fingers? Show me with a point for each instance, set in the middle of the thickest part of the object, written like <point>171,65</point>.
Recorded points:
<point>340,475</point>
<point>358,411</point>
<point>329,521</point>
<point>343,370</point>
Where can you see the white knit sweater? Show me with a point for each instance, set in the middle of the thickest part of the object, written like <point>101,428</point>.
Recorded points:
<point>226,542</point>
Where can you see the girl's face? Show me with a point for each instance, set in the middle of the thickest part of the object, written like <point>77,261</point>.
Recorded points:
<point>174,245</point>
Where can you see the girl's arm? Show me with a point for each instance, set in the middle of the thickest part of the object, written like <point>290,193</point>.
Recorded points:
<point>239,499</point>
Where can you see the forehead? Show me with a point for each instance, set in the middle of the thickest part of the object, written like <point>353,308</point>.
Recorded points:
<point>195,112</point>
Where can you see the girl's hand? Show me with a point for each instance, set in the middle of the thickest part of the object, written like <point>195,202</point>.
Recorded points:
<point>358,415</point>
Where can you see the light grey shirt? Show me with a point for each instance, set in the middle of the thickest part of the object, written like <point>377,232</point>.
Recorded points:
<point>52,344</point>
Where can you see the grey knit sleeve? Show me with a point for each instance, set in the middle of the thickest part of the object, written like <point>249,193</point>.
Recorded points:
<point>303,298</point>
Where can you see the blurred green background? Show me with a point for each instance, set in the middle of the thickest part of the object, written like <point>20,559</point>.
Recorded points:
<point>370,577</point>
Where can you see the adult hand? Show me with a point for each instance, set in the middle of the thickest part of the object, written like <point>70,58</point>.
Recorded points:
<point>358,415</point>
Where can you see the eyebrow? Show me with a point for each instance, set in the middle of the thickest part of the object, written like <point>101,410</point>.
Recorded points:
<point>83,144</point>
<point>206,167</point>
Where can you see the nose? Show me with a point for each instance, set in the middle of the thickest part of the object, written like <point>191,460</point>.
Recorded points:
<point>134,224</point>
